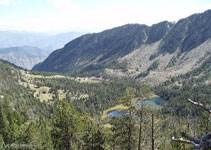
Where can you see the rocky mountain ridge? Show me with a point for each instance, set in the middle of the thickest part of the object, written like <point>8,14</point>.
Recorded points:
<point>151,54</point>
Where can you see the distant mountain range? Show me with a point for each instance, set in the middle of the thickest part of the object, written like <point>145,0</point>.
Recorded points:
<point>57,41</point>
<point>40,40</point>
<point>26,49</point>
<point>151,54</point>
<point>25,57</point>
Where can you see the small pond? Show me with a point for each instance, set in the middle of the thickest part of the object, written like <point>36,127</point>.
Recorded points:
<point>152,102</point>
<point>114,113</point>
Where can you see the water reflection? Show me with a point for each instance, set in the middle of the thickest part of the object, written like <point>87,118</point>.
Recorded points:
<point>152,102</point>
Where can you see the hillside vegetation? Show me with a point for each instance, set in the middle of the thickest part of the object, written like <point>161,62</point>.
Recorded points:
<point>37,109</point>
<point>112,71</point>
<point>150,54</point>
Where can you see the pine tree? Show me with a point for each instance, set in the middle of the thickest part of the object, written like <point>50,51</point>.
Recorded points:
<point>46,140</point>
<point>66,125</point>
<point>143,94</point>
<point>128,122</point>
<point>93,136</point>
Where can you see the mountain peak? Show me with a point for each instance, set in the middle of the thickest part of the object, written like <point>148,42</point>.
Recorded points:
<point>104,46</point>
<point>188,33</point>
<point>151,53</point>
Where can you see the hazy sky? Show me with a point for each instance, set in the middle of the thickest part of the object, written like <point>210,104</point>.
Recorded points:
<point>92,15</point>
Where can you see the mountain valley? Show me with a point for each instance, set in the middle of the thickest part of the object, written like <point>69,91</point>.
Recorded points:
<point>127,88</point>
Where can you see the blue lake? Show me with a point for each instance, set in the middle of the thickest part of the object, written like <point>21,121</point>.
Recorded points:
<point>114,113</point>
<point>152,102</point>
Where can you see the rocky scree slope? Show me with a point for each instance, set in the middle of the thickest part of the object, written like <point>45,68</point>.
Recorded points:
<point>102,49</point>
<point>151,54</point>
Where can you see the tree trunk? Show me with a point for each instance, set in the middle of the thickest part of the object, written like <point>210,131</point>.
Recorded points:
<point>140,129</point>
<point>129,128</point>
<point>67,142</point>
<point>153,140</point>
<point>92,140</point>
<point>114,145</point>
<point>129,132</point>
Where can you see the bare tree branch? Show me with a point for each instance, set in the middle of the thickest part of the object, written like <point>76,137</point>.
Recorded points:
<point>181,140</point>
<point>200,105</point>
<point>202,142</point>
<point>190,138</point>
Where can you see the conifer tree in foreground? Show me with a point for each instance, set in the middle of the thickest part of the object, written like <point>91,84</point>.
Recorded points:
<point>66,126</point>
<point>93,138</point>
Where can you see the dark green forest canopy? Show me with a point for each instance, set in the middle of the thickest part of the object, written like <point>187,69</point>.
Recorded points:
<point>26,120</point>
<point>53,111</point>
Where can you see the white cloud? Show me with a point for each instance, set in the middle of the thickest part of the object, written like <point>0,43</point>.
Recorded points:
<point>61,5</point>
<point>9,2</point>
<point>78,16</point>
<point>5,2</point>
<point>64,7</point>
<point>100,17</point>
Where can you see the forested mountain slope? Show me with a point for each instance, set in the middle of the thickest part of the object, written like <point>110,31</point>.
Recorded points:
<point>17,97</point>
<point>37,109</point>
<point>96,51</point>
<point>150,54</point>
